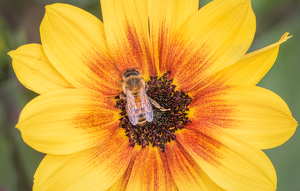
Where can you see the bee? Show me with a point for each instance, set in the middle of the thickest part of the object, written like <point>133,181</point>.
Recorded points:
<point>138,107</point>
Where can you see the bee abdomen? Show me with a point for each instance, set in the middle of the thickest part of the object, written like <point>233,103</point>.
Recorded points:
<point>142,121</point>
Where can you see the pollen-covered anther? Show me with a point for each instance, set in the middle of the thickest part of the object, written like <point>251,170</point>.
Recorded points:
<point>169,110</point>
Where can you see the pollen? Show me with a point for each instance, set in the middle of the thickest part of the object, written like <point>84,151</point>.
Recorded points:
<point>165,123</point>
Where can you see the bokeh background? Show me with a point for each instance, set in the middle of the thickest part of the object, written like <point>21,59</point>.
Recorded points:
<point>19,25</point>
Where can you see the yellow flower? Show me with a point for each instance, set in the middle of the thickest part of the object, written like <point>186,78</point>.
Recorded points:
<point>212,137</point>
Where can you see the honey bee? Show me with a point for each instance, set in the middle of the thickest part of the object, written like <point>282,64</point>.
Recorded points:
<point>138,106</point>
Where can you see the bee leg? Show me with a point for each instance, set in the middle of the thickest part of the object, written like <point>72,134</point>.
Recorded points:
<point>123,97</point>
<point>146,87</point>
<point>157,105</point>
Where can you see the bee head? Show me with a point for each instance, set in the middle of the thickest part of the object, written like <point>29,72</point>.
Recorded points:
<point>130,72</point>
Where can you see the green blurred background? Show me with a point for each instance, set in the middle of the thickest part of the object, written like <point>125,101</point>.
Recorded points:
<point>19,25</point>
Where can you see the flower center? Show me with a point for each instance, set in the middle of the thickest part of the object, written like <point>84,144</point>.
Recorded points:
<point>168,117</point>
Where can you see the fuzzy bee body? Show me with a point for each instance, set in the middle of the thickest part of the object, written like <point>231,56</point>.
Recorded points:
<point>138,107</point>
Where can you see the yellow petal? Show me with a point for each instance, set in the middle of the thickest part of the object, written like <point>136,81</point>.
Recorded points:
<point>74,42</point>
<point>182,11</point>
<point>34,70</point>
<point>151,172</point>
<point>121,184</point>
<point>165,19</point>
<point>160,23</point>
<point>67,121</point>
<point>218,35</point>
<point>92,169</point>
<point>252,114</point>
<point>126,30</point>
<point>186,172</point>
<point>229,162</point>
<point>249,70</point>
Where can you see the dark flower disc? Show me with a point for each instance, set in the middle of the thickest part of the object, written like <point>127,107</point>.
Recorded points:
<point>165,123</point>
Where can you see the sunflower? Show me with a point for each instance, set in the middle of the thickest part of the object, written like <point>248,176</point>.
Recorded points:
<point>215,123</point>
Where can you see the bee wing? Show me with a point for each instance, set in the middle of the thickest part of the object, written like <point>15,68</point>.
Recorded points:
<point>132,109</point>
<point>146,109</point>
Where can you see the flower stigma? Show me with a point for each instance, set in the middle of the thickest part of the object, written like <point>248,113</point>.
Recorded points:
<point>165,121</point>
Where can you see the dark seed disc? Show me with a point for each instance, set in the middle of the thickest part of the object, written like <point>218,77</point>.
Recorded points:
<point>165,123</point>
